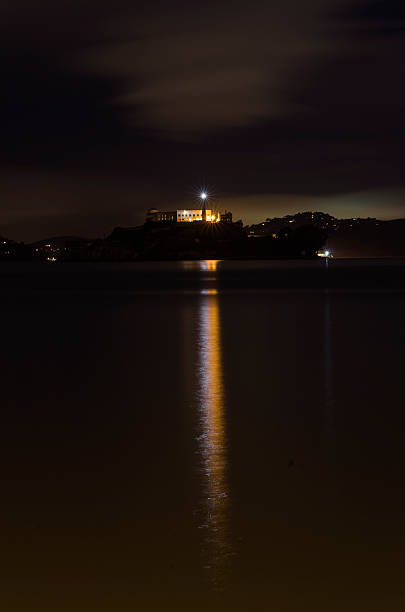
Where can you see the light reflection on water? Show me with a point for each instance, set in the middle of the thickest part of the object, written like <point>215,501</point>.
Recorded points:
<point>204,265</point>
<point>213,515</point>
<point>209,265</point>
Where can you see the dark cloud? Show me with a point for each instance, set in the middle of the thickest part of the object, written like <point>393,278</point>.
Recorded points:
<point>378,16</point>
<point>49,112</point>
<point>117,107</point>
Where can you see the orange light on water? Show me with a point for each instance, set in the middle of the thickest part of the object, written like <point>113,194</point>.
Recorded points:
<point>209,265</point>
<point>213,440</point>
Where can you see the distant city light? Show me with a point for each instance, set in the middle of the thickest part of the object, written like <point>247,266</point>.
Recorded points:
<point>327,253</point>
<point>203,195</point>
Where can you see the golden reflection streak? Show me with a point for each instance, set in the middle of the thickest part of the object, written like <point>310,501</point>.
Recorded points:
<point>209,265</point>
<point>212,442</point>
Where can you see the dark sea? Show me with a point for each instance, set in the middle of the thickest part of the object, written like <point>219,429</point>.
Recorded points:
<point>203,435</point>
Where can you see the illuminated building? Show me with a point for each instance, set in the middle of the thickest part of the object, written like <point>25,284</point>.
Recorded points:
<point>184,216</point>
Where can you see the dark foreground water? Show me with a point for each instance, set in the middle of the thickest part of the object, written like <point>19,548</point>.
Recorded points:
<point>202,435</point>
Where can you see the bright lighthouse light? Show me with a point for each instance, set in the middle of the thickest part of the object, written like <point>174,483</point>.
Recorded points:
<point>203,195</point>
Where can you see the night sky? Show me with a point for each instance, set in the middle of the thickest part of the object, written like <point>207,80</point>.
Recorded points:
<point>108,108</point>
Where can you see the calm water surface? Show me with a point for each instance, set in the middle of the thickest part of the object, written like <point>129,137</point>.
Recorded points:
<point>180,440</point>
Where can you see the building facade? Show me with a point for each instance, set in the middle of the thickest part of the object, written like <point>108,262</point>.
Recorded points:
<point>161,216</point>
<point>186,216</point>
<point>226,217</point>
